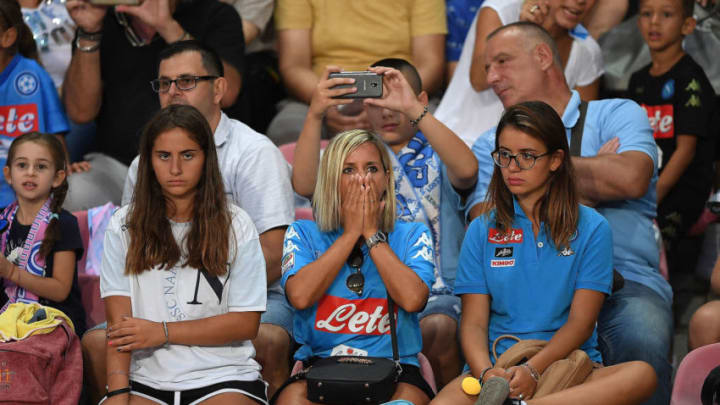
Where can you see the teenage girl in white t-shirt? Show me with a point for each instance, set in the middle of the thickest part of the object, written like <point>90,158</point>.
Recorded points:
<point>183,277</point>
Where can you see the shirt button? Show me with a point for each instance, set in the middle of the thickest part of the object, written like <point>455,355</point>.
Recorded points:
<point>540,244</point>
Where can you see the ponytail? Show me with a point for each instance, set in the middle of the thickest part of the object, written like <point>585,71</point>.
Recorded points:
<point>52,232</point>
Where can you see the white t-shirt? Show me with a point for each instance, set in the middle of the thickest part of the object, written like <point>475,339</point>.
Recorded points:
<point>183,293</point>
<point>470,113</point>
<point>53,30</point>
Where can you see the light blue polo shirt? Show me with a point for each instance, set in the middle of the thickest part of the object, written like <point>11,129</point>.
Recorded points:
<point>530,281</point>
<point>635,252</point>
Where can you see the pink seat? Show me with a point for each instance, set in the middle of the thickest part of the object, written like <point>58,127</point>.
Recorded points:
<point>425,370</point>
<point>304,213</point>
<point>89,283</point>
<point>692,372</point>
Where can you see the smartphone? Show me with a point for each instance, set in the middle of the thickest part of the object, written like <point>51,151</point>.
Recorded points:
<point>368,84</point>
<point>115,2</point>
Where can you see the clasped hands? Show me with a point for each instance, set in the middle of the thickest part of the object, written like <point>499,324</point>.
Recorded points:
<point>135,333</point>
<point>362,205</point>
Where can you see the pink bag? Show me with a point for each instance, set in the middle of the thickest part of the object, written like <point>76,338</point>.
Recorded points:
<point>42,369</point>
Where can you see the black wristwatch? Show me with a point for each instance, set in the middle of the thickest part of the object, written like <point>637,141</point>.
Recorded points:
<point>372,241</point>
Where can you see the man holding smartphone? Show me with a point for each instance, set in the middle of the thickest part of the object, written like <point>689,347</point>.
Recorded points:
<point>114,57</point>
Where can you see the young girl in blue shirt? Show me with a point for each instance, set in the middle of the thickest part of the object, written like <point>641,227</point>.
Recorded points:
<point>538,265</point>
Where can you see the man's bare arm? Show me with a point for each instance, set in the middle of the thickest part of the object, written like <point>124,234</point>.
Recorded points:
<point>271,242</point>
<point>611,177</point>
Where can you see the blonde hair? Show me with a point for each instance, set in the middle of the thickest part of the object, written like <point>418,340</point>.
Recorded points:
<point>327,202</point>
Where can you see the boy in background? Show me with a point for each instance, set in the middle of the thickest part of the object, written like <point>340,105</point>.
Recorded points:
<point>434,173</point>
<point>678,99</point>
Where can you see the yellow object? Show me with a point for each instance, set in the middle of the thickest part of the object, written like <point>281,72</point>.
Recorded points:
<point>471,385</point>
<point>15,325</point>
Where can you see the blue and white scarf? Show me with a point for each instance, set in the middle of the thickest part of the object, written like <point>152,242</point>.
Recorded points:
<point>417,190</point>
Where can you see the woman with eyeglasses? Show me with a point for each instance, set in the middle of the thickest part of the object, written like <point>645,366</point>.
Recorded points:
<point>338,272</point>
<point>538,265</point>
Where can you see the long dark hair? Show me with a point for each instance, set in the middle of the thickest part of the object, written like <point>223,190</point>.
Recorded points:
<point>151,240</point>
<point>11,17</point>
<point>558,208</point>
<point>57,152</point>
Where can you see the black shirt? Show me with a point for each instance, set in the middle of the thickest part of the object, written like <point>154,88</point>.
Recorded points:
<point>70,240</point>
<point>680,102</point>
<point>128,101</point>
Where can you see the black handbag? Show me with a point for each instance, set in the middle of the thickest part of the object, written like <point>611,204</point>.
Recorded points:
<point>355,379</point>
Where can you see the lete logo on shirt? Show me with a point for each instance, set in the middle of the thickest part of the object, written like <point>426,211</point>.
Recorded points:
<point>368,316</point>
<point>497,236</point>
<point>661,120</point>
<point>16,120</point>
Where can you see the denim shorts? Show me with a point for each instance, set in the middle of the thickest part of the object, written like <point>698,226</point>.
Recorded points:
<point>446,304</point>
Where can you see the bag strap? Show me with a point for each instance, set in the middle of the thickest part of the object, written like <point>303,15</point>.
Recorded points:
<point>499,338</point>
<point>576,134</point>
<point>393,332</point>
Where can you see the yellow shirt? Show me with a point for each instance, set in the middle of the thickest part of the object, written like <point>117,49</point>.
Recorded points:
<point>354,34</point>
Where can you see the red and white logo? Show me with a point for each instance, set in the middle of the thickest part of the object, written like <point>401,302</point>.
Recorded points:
<point>502,263</point>
<point>340,315</point>
<point>16,120</point>
<point>497,236</point>
<point>661,120</point>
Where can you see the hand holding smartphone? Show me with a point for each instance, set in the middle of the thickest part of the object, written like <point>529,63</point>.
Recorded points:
<point>368,84</point>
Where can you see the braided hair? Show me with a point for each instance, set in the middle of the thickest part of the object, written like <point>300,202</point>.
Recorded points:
<point>55,147</point>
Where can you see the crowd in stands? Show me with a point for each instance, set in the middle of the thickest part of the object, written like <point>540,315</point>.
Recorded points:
<point>492,189</point>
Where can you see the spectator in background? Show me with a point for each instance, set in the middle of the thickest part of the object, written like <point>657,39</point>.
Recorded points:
<point>28,98</point>
<point>262,87</point>
<point>679,101</point>
<point>460,16</point>
<point>469,107</point>
<point>635,322</point>
<point>313,34</point>
<point>113,61</point>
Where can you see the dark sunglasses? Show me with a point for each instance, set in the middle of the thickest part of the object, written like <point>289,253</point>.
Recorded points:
<point>355,281</point>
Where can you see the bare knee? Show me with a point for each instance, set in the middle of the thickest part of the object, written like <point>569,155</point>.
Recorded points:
<point>272,344</point>
<point>438,331</point>
<point>93,342</point>
<point>704,328</point>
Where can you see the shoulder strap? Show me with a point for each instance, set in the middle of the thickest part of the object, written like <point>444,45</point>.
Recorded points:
<point>577,131</point>
<point>393,332</point>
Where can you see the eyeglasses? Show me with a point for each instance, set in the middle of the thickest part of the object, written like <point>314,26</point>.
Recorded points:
<point>355,281</point>
<point>183,83</point>
<point>523,160</point>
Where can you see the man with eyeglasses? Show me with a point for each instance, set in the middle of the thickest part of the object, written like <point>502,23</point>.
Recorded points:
<point>256,178</point>
<point>616,172</point>
<point>114,57</point>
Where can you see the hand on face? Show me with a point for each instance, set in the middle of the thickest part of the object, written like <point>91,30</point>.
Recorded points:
<point>87,16</point>
<point>135,333</point>
<point>362,207</point>
<point>398,95</point>
<point>535,11</point>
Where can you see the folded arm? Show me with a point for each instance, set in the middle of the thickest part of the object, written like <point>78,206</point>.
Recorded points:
<point>610,177</point>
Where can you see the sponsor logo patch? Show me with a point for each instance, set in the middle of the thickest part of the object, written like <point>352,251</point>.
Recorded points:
<point>502,263</point>
<point>661,120</point>
<point>368,316</point>
<point>288,261</point>
<point>496,236</point>
<point>343,350</point>
<point>16,120</point>
<point>566,252</point>
<point>503,252</point>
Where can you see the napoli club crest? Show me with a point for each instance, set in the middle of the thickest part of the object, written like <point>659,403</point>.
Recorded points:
<point>26,83</point>
<point>668,89</point>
